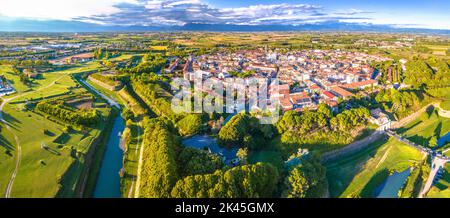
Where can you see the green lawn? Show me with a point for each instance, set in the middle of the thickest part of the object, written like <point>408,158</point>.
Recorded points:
<point>13,79</point>
<point>273,157</point>
<point>131,159</point>
<point>359,174</point>
<point>442,188</point>
<point>445,105</point>
<point>44,172</point>
<point>420,131</point>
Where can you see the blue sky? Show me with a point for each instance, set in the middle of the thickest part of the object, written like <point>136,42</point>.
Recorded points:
<point>402,13</point>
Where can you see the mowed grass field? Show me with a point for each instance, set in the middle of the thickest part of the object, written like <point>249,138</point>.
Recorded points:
<point>13,79</point>
<point>357,175</point>
<point>421,130</point>
<point>44,172</point>
<point>7,157</point>
<point>442,188</point>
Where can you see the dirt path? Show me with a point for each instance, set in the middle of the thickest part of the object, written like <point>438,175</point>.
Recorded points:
<point>383,158</point>
<point>130,192</point>
<point>138,180</point>
<point>19,148</point>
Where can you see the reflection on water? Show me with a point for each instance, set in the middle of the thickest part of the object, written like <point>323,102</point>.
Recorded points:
<point>392,185</point>
<point>108,181</point>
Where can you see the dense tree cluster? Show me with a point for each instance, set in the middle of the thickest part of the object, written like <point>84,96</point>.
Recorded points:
<point>306,180</point>
<point>102,53</point>
<point>150,94</point>
<point>193,161</point>
<point>245,131</point>
<point>190,125</point>
<point>66,114</point>
<point>248,181</point>
<point>159,171</point>
<point>401,103</point>
<point>320,127</point>
<point>429,73</point>
<point>349,119</point>
<point>234,131</point>
<point>151,63</point>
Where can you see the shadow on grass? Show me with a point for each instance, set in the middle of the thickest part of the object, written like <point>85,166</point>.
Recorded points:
<point>6,144</point>
<point>341,172</point>
<point>68,181</point>
<point>420,140</point>
<point>404,129</point>
<point>437,131</point>
<point>11,121</point>
<point>375,184</point>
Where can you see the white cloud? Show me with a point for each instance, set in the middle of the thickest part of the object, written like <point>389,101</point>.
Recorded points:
<point>59,9</point>
<point>180,12</point>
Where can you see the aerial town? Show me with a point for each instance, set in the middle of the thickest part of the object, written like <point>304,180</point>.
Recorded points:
<point>307,77</point>
<point>204,101</point>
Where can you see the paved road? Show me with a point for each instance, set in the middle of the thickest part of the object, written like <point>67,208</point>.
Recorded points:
<point>437,164</point>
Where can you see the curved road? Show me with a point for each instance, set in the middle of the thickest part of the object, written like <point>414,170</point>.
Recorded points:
<point>19,148</point>
<point>436,165</point>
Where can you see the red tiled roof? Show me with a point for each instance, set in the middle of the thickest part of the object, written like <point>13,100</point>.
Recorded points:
<point>329,94</point>
<point>360,84</point>
<point>340,91</point>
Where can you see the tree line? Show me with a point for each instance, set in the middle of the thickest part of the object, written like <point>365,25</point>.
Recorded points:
<point>79,117</point>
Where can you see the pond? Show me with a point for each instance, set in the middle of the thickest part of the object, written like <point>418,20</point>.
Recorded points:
<point>108,180</point>
<point>392,185</point>
<point>205,142</point>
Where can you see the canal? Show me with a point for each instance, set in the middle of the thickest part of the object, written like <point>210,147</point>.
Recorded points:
<point>108,180</point>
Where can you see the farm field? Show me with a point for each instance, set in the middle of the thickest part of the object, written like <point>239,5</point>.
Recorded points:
<point>359,174</point>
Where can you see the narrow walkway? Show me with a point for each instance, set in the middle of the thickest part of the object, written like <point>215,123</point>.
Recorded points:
<point>19,148</point>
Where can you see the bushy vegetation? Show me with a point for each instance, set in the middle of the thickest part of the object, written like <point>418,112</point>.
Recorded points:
<point>431,73</point>
<point>151,63</point>
<point>66,114</point>
<point>401,103</point>
<point>159,171</point>
<point>306,180</point>
<point>190,125</point>
<point>105,79</point>
<point>152,94</point>
<point>193,161</point>
<point>318,128</point>
<point>234,131</point>
<point>249,181</point>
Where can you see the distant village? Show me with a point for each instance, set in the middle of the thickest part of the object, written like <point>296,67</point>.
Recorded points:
<point>307,78</point>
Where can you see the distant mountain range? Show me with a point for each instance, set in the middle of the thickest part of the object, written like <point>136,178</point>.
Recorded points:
<point>25,25</point>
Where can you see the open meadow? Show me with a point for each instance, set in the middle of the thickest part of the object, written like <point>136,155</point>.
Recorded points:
<point>359,174</point>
